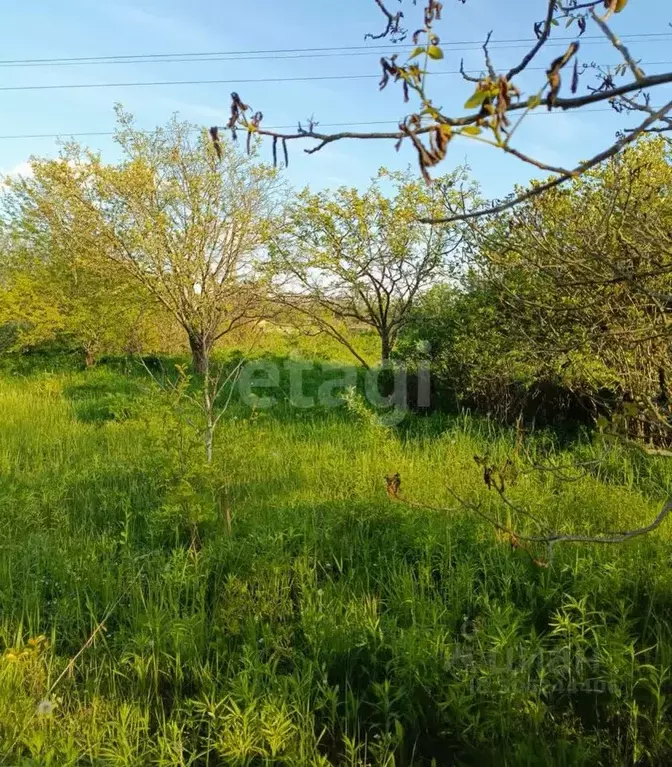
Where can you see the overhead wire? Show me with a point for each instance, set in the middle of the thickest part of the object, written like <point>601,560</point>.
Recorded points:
<point>243,80</point>
<point>181,57</point>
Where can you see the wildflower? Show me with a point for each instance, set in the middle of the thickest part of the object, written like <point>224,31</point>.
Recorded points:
<point>45,707</point>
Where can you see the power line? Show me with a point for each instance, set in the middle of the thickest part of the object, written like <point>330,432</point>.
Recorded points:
<point>182,57</point>
<point>286,57</point>
<point>308,78</point>
<point>156,83</point>
<point>352,124</point>
<point>244,81</point>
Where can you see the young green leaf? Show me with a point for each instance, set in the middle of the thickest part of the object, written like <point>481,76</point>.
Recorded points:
<point>476,99</point>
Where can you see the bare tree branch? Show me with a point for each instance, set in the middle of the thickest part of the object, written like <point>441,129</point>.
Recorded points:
<point>620,47</point>
<point>497,97</point>
<point>543,38</point>
<point>393,24</point>
<point>579,170</point>
<point>550,538</point>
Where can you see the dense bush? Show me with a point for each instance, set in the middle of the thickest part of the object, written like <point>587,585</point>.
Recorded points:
<point>563,309</point>
<point>476,364</point>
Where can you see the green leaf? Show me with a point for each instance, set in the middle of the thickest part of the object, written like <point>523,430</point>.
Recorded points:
<point>431,111</point>
<point>417,52</point>
<point>471,130</point>
<point>476,99</point>
<point>602,422</point>
<point>534,101</point>
<point>434,52</point>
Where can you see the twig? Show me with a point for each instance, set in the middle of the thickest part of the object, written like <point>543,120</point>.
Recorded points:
<point>551,538</point>
<point>565,104</point>
<point>620,47</point>
<point>466,76</point>
<point>543,38</point>
<point>488,60</point>
<point>579,170</point>
<point>392,27</point>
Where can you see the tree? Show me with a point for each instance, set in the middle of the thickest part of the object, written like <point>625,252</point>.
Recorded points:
<point>584,275</point>
<point>496,102</point>
<point>53,289</point>
<point>566,301</point>
<point>182,218</point>
<point>363,258</point>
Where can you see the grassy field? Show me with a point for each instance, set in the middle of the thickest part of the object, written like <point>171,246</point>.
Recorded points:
<point>279,609</point>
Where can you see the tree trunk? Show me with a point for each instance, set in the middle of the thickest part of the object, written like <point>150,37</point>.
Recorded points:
<point>385,347</point>
<point>386,375</point>
<point>200,352</point>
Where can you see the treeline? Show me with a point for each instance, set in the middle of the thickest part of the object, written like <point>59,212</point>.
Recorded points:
<point>559,306</point>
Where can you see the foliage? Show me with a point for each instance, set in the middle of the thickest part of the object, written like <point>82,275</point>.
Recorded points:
<point>363,258</point>
<point>572,289</point>
<point>57,290</point>
<point>265,601</point>
<point>182,221</point>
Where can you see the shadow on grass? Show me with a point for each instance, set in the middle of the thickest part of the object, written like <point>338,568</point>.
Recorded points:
<point>103,395</point>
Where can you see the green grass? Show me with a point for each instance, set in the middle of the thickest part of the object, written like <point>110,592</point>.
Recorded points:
<point>278,608</point>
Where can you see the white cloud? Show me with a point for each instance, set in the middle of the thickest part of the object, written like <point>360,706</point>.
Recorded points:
<point>20,170</point>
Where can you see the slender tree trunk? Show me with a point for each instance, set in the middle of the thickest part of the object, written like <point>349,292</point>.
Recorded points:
<point>200,352</point>
<point>209,413</point>
<point>386,377</point>
<point>385,346</point>
<point>209,439</point>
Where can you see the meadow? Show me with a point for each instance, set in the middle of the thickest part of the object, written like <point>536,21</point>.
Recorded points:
<point>278,608</point>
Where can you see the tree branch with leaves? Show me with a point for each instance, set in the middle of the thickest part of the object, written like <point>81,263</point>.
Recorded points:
<point>499,103</point>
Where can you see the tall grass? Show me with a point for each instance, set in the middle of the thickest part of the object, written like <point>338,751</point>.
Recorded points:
<point>312,621</point>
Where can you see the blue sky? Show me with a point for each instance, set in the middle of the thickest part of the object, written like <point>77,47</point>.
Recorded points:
<point>77,28</point>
